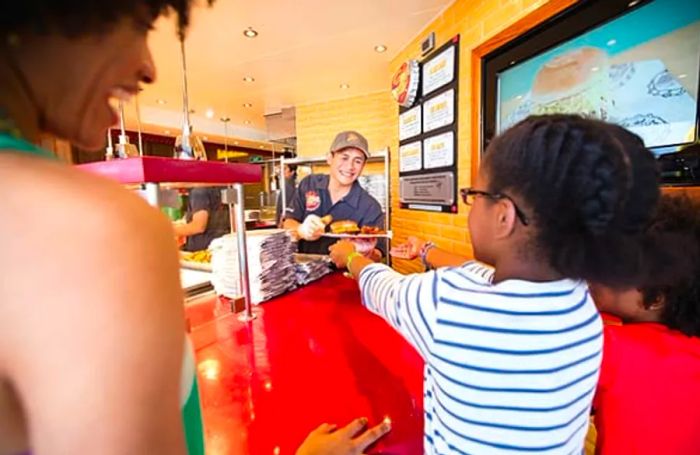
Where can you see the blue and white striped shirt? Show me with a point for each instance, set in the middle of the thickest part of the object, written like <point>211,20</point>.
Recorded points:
<point>510,367</point>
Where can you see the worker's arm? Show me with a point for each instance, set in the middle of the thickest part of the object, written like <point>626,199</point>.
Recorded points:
<point>198,225</point>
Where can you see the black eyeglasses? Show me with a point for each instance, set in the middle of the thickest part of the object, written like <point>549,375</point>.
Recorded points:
<point>468,194</point>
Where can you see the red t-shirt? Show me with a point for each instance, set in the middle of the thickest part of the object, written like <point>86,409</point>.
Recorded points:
<point>648,397</point>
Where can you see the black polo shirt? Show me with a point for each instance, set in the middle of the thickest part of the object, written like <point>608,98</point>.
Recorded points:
<point>312,197</point>
<point>209,199</point>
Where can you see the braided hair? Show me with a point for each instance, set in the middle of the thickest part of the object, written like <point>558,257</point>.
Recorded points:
<point>591,189</point>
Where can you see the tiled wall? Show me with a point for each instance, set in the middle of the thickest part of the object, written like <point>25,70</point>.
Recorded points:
<point>376,115</point>
<point>373,115</point>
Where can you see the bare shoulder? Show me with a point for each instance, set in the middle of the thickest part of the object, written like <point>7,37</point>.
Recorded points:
<point>45,188</point>
<point>91,301</point>
<point>91,259</point>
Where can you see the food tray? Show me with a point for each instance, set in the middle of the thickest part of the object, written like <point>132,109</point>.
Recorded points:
<point>386,235</point>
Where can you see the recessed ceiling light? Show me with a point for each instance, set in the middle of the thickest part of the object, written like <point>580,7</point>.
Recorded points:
<point>247,105</point>
<point>344,86</point>
<point>161,101</point>
<point>235,142</point>
<point>682,76</point>
<point>262,146</point>
<point>166,132</point>
<point>612,42</point>
<point>209,113</point>
<point>205,138</point>
<point>248,79</point>
<point>594,69</point>
<point>632,3</point>
<point>250,33</point>
<point>247,122</point>
<point>380,48</point>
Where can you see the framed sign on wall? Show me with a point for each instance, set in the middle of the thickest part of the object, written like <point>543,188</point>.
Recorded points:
<point>428,132</point>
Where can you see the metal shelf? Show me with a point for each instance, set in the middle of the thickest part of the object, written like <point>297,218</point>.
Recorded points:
<point>152,169</point>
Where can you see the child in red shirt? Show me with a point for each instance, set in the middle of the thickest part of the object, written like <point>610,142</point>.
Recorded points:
<point>648,395</point>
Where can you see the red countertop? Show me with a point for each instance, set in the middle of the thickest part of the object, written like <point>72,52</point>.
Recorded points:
<point>312,356</point>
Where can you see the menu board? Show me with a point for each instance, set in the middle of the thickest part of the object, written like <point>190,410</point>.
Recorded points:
<point>410,123</point>
<point>428,136</point>
<point>410,157</point>
<point>439,111</point>
<point>427,192</point>
<point>439,70</point>
<point>439,150</point>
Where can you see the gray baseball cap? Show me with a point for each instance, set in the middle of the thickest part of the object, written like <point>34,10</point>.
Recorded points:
<point>350,139</point>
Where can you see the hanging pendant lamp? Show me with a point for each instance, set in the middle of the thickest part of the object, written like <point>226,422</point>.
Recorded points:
<point>188,146</point>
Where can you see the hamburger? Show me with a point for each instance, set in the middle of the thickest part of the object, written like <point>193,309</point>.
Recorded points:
<point>574,82</point>
<point>344,227</point>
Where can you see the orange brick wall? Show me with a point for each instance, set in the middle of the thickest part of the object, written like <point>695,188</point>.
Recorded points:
<point>372,115</point>
<point>377,116</point>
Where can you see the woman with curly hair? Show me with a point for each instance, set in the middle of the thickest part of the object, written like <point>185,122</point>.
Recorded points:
<point>91,313</point>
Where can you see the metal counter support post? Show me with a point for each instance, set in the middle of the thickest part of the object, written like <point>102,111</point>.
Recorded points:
<point>283,190</point>
<point>387,203</point>
<point>247,314</point>
<point>153,194</point>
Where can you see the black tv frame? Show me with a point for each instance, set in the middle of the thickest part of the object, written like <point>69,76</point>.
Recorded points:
<point>570,23</point>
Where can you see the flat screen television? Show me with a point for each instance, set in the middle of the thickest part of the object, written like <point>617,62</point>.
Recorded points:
<point>636,64</point>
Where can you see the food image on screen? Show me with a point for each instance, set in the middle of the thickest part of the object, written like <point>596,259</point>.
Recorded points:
<point>639,71</point>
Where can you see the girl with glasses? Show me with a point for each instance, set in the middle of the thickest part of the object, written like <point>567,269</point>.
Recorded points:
<point>513,347</point>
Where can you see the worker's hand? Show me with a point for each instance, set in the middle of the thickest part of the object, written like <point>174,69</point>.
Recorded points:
<point>312,228</point>
<point>409,250</point>
<point>350,440</point>
<point>340,251</point>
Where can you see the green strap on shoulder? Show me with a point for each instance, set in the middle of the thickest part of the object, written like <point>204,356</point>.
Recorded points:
<point>10,143</point>
<point>190,404</point>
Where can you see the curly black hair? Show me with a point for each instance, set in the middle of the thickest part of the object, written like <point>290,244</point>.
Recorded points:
<point>590,187</point>
<point>673,252</point>
<point>83,17</point>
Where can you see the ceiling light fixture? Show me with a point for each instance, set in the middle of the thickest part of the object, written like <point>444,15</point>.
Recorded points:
<point>248,79</point>
<point>612,42</point>
<point>250,33</point>
<point>682,76</point>
<point>247,122</point>
<point>209,113</point>
<point>166,132</point>
<point>380,48</point>
<point>344,86</point>
<point>632,3</point>
<point>247,105</point>
<point>161,101</point>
